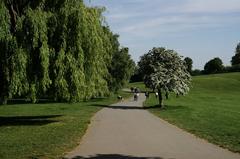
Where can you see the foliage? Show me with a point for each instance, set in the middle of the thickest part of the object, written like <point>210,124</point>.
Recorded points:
<point>214,66</point>
<point>234,68</point>
<point>137,76</point>
<point>59,49</point>
<point>189,63</point>
<point>196,72</point>
<point>121,69</point>
<point>165,71</point>
<point>236,57</point>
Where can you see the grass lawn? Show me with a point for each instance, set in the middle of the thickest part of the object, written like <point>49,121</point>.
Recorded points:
<point>211,110</point>
<point>45,130</point>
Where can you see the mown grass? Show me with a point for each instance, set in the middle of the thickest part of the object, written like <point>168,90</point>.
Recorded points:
<point>46,130</point>
<point>211,110</point>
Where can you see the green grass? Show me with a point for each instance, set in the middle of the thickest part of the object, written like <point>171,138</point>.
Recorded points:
<point>45,130</point>
<point>211,110</point>
<point>139,85</point>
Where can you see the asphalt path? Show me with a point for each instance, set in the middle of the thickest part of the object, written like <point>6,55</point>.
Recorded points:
<point>126,131</point>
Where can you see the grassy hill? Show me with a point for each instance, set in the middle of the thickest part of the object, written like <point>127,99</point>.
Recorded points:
<point>211,110</point>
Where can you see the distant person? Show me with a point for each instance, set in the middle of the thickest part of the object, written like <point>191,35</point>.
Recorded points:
<point>156,94</point>
<point>136,93</point>
<point>135,90</point>
<point>135,96</point>
<point>132,89</point>
<point>147,94</point>
<point>120,97</point>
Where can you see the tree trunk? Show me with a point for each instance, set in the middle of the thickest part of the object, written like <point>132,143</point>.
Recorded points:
<point>3,100</point>
<point>166,95</point>
<point>160,98</point>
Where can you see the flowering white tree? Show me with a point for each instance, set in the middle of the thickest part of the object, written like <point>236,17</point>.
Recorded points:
<point>165,71</point>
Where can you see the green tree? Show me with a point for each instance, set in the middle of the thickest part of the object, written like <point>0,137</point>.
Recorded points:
<point>214,66</point>
<point>121,70</point>
<point>12,57</point>
<point>137,76</point>
<point>165,71</point>
<point>189,63</point>
<point>60,49</point>
<point>196,72</point>
<point>236,57</point>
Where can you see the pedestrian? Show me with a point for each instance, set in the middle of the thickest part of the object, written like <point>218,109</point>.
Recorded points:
<point>156,94</point>
<point>147,94</point>
<point>132,89</point>
<point>135,96</point>
<point>135,89</point>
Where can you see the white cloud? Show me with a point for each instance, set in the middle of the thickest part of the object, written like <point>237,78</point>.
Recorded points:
<point>209,6</point>
<point>175,23</point>
<point>184,25</point>
<point>142,17</point>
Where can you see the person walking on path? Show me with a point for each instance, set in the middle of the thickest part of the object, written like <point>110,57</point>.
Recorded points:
<point>147,94</point>
<point>135,96</point>
<point>136,93</point>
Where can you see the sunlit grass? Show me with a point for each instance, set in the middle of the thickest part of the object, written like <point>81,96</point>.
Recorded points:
<point>211,110</point>
<point>45,130</point>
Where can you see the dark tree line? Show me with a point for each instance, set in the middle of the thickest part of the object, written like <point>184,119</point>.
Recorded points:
<point>60,49</point>
<point>213,66</point>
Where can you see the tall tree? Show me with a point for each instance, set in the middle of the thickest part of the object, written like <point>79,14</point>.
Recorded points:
<point>60,49</point>
<point>121,69</point>
<point>12,57</point>
<point>165,71</point>
<point>236,57</point>
<point>214,66</point>
<point>189,63</point>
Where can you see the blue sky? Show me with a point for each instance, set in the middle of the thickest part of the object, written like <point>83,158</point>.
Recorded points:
<point>199,29</point>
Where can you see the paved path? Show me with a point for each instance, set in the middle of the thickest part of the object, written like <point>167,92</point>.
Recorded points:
<point>125,131</point>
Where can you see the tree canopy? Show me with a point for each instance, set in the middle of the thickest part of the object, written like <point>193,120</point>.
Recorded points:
<point>60,49</point>
<point>236,57</point>
<point>121,69</point>
<point>214,66</point>
<point>165,71</point>
<point>189,63</point>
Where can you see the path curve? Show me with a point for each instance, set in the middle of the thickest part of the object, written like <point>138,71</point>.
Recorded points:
<point>125,131</point>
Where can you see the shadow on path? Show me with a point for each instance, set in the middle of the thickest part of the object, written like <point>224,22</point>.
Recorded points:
<point>28,120</point>
<point>117,106</point>
<point>114,156</point>
<point>166,107</point>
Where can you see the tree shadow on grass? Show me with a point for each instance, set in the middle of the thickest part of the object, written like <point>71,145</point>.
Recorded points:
<point>114,156</point>
<point>28,120</point>
<point>167,107</point>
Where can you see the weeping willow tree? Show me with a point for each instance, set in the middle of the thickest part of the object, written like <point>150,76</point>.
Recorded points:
<point>60,49</point>
<point>67,57</point>
<point>13,58</point>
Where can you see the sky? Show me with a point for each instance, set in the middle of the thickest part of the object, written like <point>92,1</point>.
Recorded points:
<point>199,29</point>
